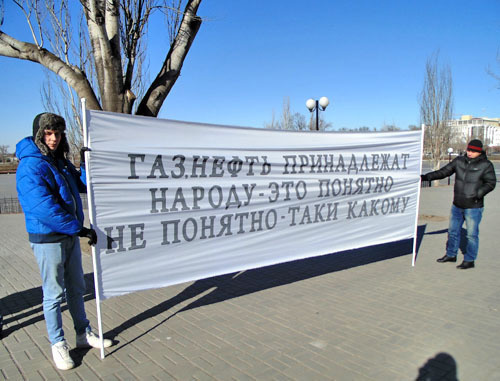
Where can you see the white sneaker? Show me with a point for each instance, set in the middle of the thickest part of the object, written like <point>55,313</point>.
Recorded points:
<point>60,354</point>
<point>90,339</point>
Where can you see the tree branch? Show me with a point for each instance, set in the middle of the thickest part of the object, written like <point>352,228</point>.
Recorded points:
<point>171,69</point>
<point>10,47</point>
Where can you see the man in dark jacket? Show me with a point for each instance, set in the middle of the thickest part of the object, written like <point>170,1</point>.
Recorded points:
<point>474,178</point>
<point>48,186</point>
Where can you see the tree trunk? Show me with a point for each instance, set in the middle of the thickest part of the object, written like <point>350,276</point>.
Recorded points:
<point>103,26</point>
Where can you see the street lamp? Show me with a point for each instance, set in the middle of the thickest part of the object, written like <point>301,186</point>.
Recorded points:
<point>312,105</point>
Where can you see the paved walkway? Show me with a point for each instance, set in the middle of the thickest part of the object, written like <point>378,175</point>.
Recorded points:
<point>361,315</point>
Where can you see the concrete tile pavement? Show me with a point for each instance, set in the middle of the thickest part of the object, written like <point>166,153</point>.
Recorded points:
<point>359,315</point>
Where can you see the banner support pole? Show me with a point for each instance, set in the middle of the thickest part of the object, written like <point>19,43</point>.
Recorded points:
<point>92,224</point>
<point>414,256</point>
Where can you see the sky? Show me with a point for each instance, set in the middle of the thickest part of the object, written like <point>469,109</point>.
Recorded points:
<point>368,57</point>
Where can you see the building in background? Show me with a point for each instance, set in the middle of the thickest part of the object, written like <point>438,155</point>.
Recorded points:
<point>469,127</point>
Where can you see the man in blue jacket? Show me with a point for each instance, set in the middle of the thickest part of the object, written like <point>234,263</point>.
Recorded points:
<point>474,178</point>
<point>48,186</point>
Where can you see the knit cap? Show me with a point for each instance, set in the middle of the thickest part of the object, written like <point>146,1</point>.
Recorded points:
<point>475,145</point>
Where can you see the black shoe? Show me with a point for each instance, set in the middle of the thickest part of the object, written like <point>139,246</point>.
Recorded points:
<point>466,265</point>
<point>446,259</point>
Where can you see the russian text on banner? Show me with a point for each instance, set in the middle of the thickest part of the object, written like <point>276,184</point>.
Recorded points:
<point>177,201</point>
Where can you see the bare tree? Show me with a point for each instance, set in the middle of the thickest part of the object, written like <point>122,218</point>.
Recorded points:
<point>2,9</point>
<point>436,109</point>
<point>323,125</point>
<point>299,122</point>
<point>4,151</point>
<point>357,129</point>
<point>273,125</point>
<point>390,128</point>
<point>493,72</point>
<point>101,60</point>
<point>60,98</point>
<point>286,122</point>
<point>365,129</point>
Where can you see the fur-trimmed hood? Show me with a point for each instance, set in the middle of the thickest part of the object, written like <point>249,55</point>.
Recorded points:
<point>54,122</point>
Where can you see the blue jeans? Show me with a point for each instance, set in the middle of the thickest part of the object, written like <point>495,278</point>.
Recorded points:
<point>472,218</point>
<point>60,266</point>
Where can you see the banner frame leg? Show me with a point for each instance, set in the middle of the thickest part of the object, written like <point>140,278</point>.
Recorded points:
<point>415,234</point>
<point>92,223</point>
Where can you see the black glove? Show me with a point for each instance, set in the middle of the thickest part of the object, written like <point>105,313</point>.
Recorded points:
<point>82,156</point>
<point>90,234</point>
<point>424,178</point>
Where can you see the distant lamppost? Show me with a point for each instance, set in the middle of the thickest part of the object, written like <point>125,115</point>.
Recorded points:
<point>312,105</point>
<point>450,151</point>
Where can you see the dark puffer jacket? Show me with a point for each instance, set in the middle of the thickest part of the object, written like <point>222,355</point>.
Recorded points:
<point>474,178</point>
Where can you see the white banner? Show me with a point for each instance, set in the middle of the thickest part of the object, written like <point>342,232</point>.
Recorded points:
<point>176,201</point>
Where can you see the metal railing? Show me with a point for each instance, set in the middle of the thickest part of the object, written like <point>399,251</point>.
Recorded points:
<point>10,205</point>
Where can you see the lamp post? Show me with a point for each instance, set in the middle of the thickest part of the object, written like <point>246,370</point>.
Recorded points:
<point>450,151</point>
<point>312,105</point>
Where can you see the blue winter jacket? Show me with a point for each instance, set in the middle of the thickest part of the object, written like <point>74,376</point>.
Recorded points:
<point>48,191</point>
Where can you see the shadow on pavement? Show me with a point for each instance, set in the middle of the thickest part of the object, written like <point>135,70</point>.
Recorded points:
<point>23,304</point>
<point>463,238</point>
<point>228,286</point>
<point>442,231</point>
<point>20,305</point>
<point>441,367</point>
